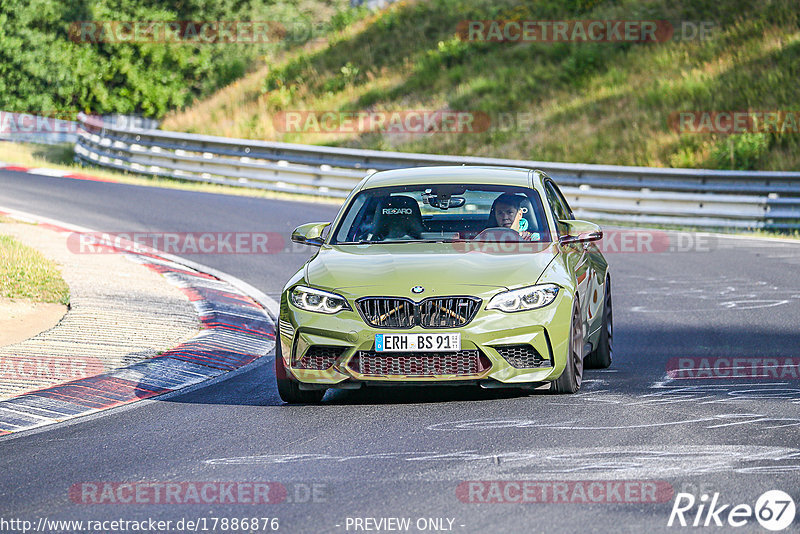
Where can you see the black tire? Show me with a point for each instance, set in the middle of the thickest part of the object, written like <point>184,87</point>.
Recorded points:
<point>601,357</point>
<point>570,379</point>
<point>288,389</point>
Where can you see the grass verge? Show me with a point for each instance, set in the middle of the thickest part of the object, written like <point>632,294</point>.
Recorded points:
<point>582,102</point>
<point>26,274</point>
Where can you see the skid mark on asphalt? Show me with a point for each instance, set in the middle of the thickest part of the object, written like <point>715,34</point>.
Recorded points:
<point>589,423</point>
<point>670,390</point>
<point>710,294</point>
<point>607,462</point>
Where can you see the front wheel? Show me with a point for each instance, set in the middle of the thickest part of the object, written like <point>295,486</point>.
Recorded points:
<point>570,379</point>
<point>288,389</point>
<point>600,358</point>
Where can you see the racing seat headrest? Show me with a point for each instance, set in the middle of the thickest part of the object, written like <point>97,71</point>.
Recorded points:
<point>398,217</point>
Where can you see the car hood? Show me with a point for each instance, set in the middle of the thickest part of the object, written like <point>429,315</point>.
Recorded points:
<point>440,268</point>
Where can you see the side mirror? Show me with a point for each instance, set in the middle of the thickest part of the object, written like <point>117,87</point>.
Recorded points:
<point>309,234</point>
<point>579,232</point>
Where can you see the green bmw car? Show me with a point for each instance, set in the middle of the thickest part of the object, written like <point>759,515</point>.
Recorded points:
<point>446,275</point>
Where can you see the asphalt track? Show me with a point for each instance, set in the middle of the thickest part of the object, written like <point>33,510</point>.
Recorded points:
<point>403,452</point>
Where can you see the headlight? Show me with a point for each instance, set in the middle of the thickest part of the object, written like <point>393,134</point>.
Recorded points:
<point>526,298</point>
<point>314,300</point>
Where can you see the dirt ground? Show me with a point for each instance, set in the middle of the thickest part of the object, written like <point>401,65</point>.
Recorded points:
<point>21,319</point>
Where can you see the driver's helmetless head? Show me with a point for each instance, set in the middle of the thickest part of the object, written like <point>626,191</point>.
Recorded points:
<point>505,214</point>
<point>505,209</point>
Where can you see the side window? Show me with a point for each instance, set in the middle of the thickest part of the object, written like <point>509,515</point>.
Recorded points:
<point>556,207</point>
<point>563,202</point>
<point>349,227</point>
<point>552,201</point>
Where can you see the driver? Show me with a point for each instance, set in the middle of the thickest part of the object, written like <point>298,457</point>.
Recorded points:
<point>508,212</point>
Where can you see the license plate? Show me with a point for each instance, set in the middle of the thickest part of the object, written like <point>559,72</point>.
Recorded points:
<point>441,342</point>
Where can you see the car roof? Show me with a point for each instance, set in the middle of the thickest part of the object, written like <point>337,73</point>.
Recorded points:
<point>511,176</point>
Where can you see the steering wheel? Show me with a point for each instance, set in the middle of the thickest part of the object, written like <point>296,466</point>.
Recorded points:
<point>498,233</point>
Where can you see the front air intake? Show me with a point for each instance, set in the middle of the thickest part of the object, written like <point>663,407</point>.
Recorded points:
<point>434,312</point>
<point>460,363</point>
<point>522,356</point>
<point>319,358</point>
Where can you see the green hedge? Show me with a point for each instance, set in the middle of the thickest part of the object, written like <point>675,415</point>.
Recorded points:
<point>44,70</point>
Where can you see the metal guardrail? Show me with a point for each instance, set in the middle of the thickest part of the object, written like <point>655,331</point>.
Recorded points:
<point>683,197</point>
<point>27,128</point>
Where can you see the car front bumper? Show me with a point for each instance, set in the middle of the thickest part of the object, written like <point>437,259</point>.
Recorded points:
<point>346,337</point>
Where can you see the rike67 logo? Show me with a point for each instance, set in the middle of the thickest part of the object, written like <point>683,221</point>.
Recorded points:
<point>774,510</point>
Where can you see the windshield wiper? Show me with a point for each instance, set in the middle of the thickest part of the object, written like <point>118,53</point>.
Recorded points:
<point>401,241</point>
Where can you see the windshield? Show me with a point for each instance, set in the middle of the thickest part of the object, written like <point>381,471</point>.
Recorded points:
<point>443,213</point>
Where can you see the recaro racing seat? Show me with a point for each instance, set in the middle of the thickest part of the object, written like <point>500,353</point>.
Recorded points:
<point>397,217</point>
